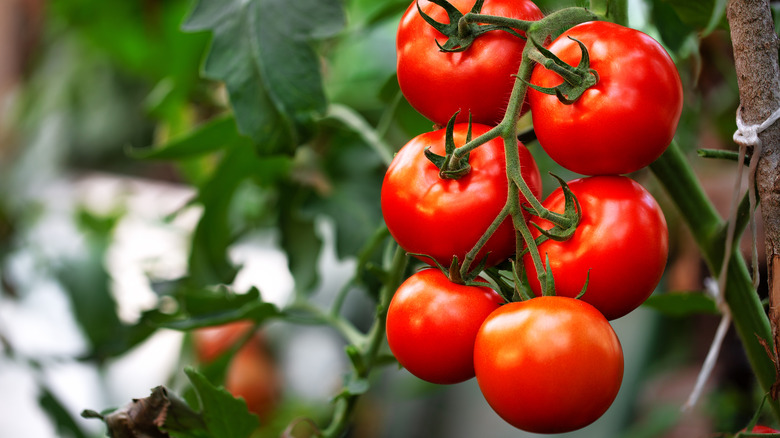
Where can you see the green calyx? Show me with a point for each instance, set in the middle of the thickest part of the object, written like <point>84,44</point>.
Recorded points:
<point>449,166</point>
<point>462,30</point>
<point>575,79</point>
<point>564,224</point>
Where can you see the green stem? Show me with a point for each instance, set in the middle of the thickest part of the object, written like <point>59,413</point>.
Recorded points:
<point>569,74</point>
<point>461,152</point>
<point>723,154</point>
<point>369,349</point>
<point>472,254</point>
<point>508,131</point>
<point>493,19</point>
<point>514,176</point>
<point>750,319</point>
<point>311,314</point>
<point>380,234</point>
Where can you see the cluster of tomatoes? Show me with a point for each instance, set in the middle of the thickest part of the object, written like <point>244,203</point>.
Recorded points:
<point>547,364</point>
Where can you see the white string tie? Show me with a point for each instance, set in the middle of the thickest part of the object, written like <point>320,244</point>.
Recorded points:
<point>748,134</point>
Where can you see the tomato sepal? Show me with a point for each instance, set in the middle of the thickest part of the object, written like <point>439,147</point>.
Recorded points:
<point>548,280</point>
<point>584,286</point>
<point>450,168</point>
<point>564,224</point>
<point>576,80</point>
<point>461,31</point>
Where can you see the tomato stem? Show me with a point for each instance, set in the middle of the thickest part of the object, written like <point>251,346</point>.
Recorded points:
<point>472,254</point>
<point>513,23</point>
<point>369,348</point>
<point>507,129</point>
<point>462,151</point>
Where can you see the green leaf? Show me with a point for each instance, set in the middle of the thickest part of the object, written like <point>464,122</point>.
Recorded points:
<point>209,262</point>
<point>682,303</point>
<point>354,172</point>
<point>225,416</point>
<point>697,14</point>
<point>205,308</point>
<point>65,423</point>
<point>354,385</point>
<point>262,50</point>
<point>88,286</point>
<point>209,137</point>
<point>671,28</point>
<point>300,241</point>
<point>718,12</point>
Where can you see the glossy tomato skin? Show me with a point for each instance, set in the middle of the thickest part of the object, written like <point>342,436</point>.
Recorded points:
<point>478,80</point>
<point>445,217</point>
<point>622,240</point>
<point>432,323</point>
<point>548,364</point>
<point>627,119</point>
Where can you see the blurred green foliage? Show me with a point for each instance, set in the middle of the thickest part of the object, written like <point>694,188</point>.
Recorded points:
<point>280,114</point>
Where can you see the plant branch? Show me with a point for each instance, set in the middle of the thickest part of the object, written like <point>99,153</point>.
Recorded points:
<point>758,77</point>
<point>368,350</point>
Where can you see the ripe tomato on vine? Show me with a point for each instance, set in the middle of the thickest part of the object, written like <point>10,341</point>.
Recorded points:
<point>432,323</point>
<point>443,218</point>
<point>623,122</point>
<point>548,364</point>
<point>477,81</point>
<point>620,246</point>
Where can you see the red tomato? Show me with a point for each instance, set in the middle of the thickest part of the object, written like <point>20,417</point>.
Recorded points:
<point>478,80</point>
<point>548,364</point>
<point>627,119</point>
<point>211,342</point>
<point>252,375</point>
<point>432,323</point>
<point>763,429</point>
<point>445,217</point>
<point>622,240</point>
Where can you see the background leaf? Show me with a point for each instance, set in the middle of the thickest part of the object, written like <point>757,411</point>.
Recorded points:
<point>204,308</point>
<point>262,50</point>
<point>682,303</point>
<point>225,416</point>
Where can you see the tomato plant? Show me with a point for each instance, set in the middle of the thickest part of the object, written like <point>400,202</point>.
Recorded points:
<point>432,323</point>
<point>442,218</point>
<point>548,364</point>
<point>278,123</point>
<point>625,121</point>
<point>620,246</point>
<point>477,81</point>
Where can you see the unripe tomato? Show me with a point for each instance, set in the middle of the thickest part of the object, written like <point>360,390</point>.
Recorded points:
<point>625,121</point>
<point>548,364</point>
<point>478,80</point>
<point>620,246</point>
<point>432,323</point>
<point>446,217</point>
